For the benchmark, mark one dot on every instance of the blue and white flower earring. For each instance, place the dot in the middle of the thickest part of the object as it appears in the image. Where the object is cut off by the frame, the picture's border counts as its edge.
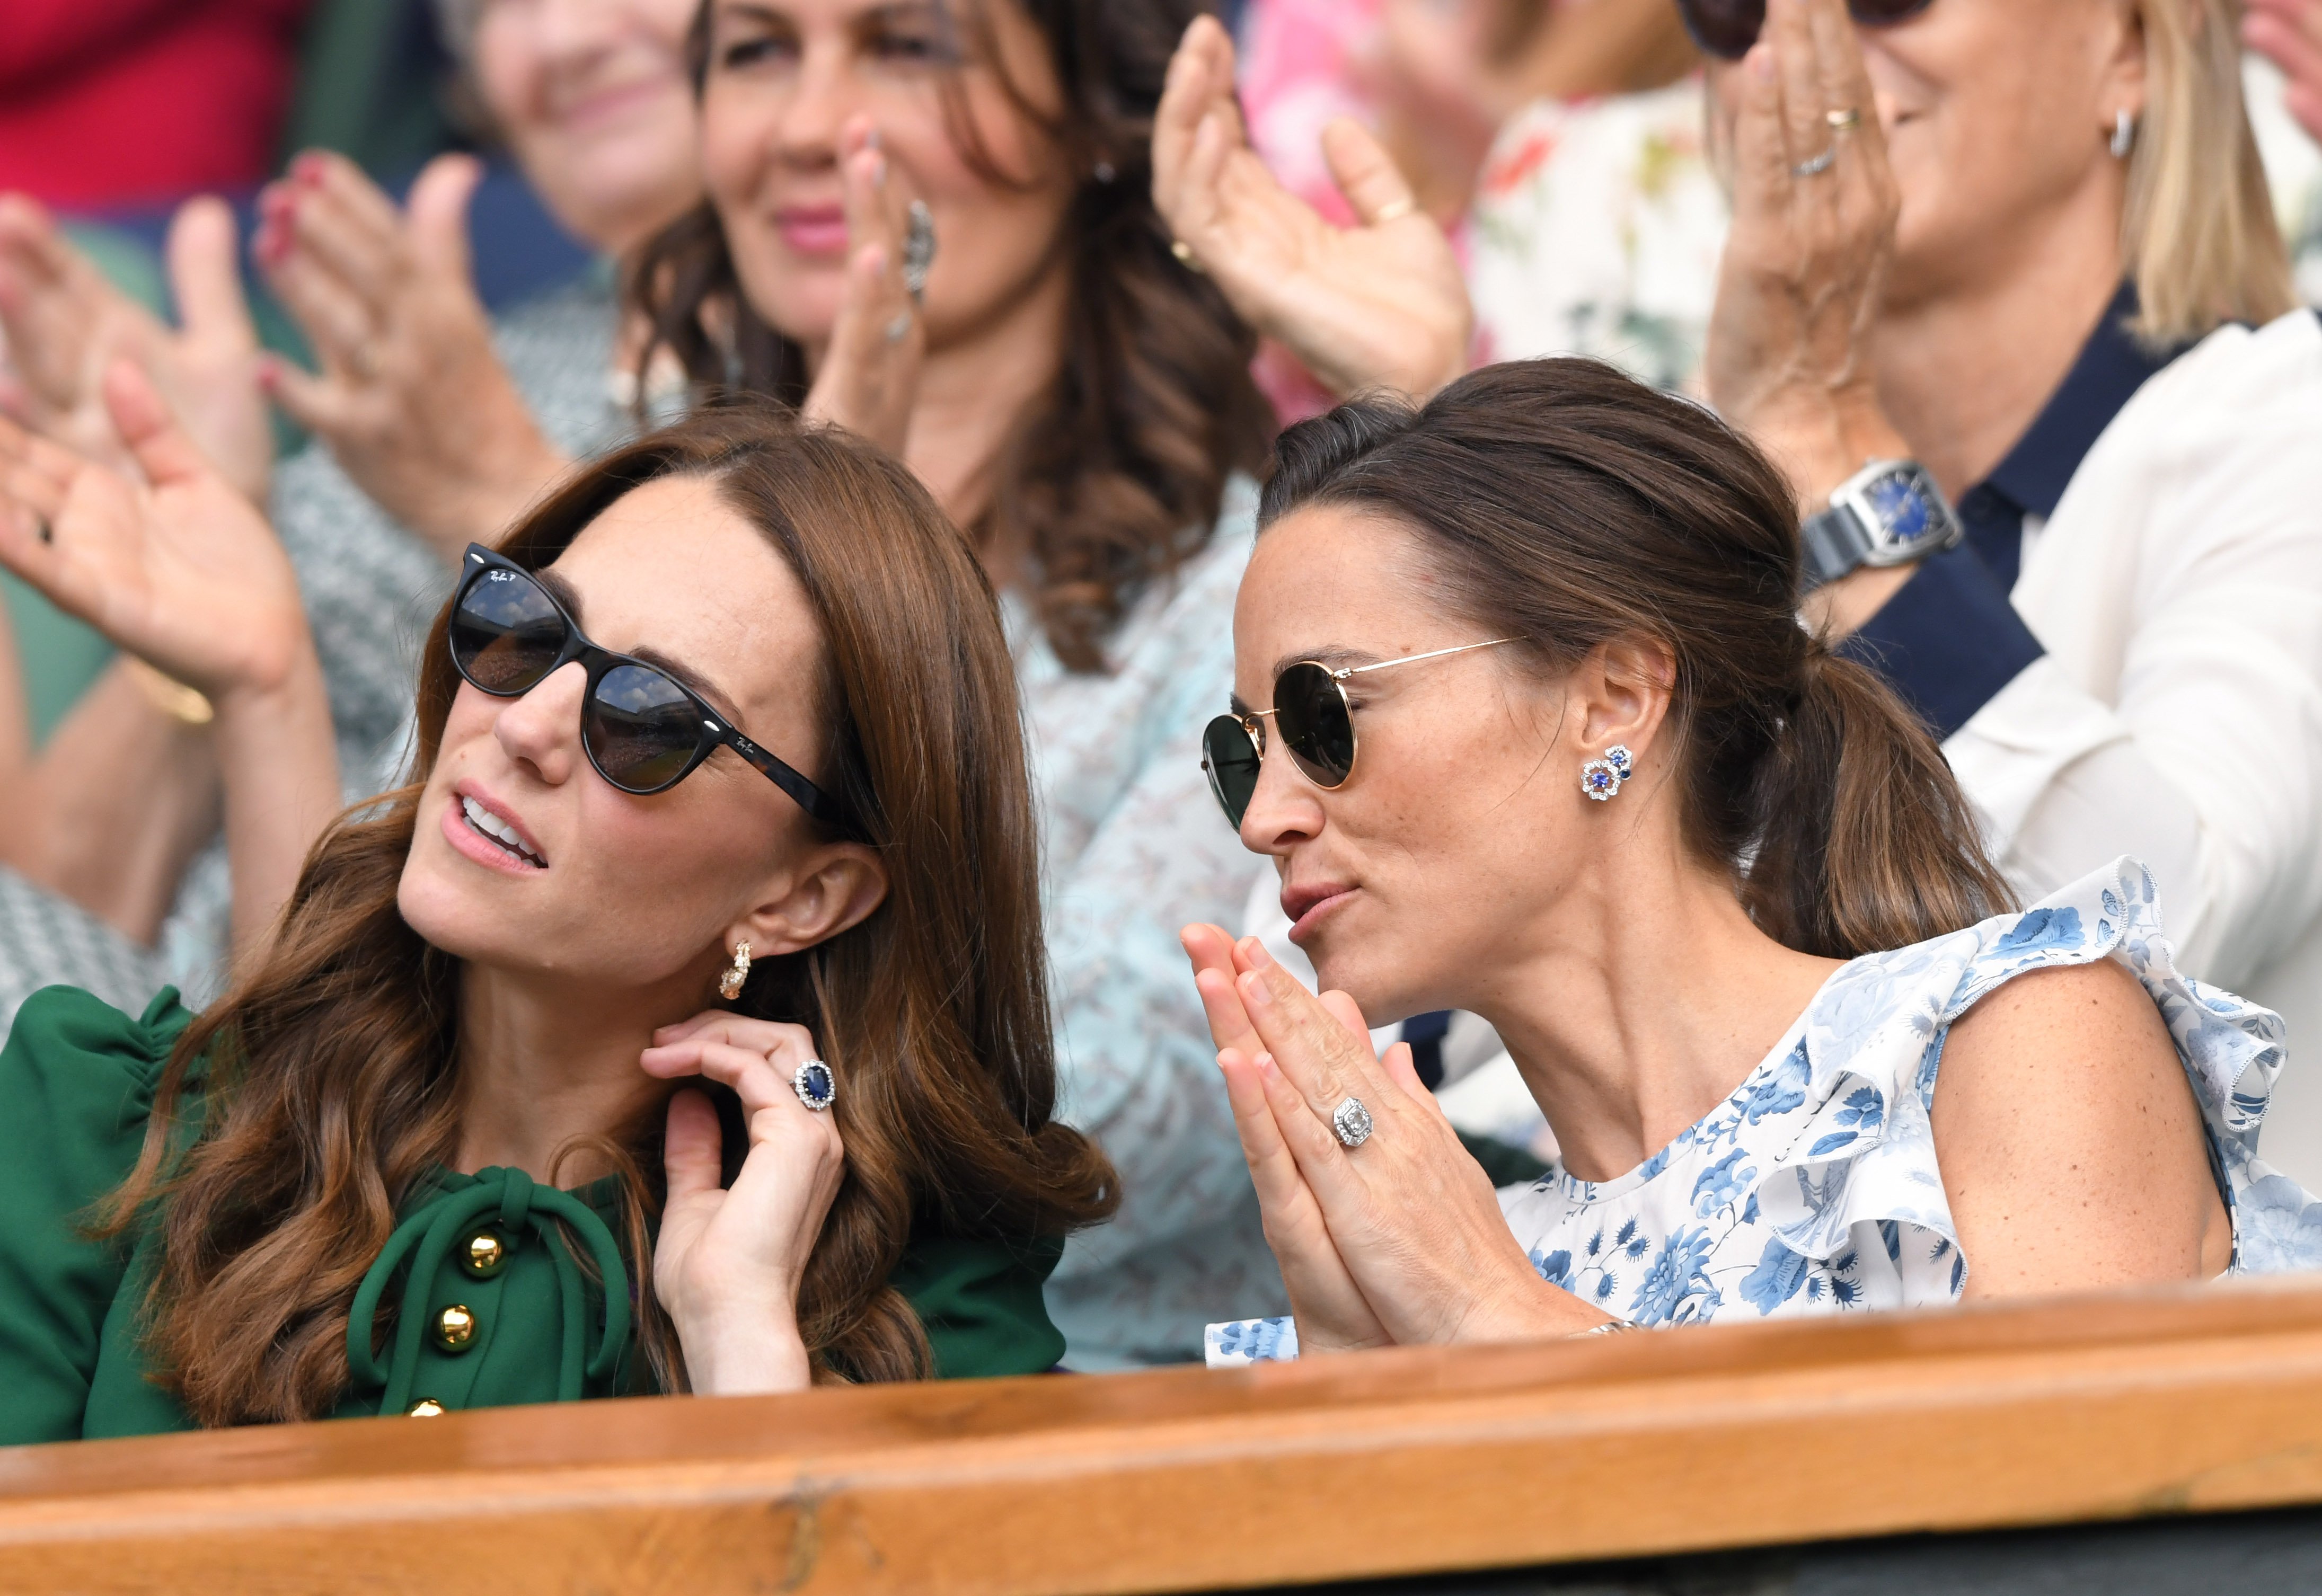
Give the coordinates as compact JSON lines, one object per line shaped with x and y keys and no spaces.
{"x":1601,"y":779}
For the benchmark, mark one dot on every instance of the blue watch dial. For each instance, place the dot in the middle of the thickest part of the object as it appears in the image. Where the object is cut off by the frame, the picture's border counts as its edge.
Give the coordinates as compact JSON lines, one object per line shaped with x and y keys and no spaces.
{"x":1902,"y":509}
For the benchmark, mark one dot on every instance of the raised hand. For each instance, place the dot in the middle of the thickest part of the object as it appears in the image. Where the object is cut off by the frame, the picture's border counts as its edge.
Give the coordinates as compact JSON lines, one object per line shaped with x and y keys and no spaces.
{"x":410,"y":397}
{"x":1379,"y":305}
{"x":1410,"y":1218}
{"x":2288,"y":33}
{"x":66,"y":325}
{"x":870,"y":375}
{"x":173,"y":565}
{"x":1799,"y":285}
{"x":728,"y":1261}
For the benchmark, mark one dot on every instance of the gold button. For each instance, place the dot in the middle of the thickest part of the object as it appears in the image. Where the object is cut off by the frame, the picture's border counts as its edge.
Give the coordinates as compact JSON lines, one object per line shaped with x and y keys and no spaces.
{"x":484,"y":1255}
{"x":426,"y":1407}
{"x":456,"y":1328}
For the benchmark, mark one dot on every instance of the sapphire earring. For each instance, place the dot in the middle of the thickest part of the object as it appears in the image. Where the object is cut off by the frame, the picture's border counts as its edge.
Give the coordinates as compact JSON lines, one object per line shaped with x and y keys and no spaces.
{"x":1601,"y":779}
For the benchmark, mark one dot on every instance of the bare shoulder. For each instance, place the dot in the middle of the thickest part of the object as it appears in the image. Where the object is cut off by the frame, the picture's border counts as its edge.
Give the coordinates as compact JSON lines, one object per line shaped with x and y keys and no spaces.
{"x":2096,"y":1010}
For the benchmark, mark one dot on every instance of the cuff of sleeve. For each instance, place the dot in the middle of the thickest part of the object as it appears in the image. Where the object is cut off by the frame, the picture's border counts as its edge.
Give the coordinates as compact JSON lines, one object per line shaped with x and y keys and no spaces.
{"x":1948,"y":641}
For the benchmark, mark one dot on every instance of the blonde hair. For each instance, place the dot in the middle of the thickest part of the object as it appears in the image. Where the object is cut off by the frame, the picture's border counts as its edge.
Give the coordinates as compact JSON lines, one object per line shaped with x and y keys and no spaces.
{"x":2199,"y":236}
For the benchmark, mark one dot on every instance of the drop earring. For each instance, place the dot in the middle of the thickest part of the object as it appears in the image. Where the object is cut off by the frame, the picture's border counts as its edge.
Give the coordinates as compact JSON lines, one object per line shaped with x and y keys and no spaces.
{"x":729,"y":984}
{"x":1601,"y":779}
{"x":2123,"y":133}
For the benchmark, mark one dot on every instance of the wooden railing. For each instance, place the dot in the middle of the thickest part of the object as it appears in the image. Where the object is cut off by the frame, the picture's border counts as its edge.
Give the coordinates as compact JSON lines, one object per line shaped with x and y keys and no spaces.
{"x":1181,"y":1480}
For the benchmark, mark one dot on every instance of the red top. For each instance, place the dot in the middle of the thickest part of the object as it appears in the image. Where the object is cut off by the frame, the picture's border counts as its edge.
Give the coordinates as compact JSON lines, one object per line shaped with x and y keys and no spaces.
{"x":108,"y":102}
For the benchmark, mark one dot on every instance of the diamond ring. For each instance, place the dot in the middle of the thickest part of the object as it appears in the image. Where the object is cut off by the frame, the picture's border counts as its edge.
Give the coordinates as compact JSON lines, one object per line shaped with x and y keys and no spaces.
{"x":918,"y":249}
{"x":1352,"y":1121}
{"x":814,"y":1085}
{"x":1817,"y":166}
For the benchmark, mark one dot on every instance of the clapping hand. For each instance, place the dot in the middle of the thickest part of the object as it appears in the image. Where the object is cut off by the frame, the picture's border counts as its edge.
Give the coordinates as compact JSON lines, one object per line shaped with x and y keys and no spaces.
{"x":174,"y":565}
{"x":66,"y":325}
{"x":411,"y":399}
{"x":2288,"y":33}
{"x":1399,"y":1240}
{"x":729,"y":1260}
{"x":870,"y":374}
{"x":1379,"y":305}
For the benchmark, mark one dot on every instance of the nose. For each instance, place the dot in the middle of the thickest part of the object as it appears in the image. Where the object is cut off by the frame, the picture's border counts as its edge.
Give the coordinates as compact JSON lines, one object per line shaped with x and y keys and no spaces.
{"x":823,"y":96}
{"x":565,"y":31}
{"x":541,"y":729}
{"x":1285,"y":809}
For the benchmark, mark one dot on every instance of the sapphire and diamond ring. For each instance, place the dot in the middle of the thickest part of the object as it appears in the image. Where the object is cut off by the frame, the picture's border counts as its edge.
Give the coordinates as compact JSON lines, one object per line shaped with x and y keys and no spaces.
{"x":814,"y":1085}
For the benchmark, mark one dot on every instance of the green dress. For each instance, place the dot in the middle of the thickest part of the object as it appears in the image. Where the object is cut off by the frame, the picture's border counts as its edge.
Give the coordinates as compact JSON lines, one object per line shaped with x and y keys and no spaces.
{"x":493,"y":1309}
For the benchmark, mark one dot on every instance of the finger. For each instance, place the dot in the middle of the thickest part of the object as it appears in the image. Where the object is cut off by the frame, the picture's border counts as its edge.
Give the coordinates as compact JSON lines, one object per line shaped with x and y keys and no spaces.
{"x":438,"y":208}
{"x":1221,"y":1006}
{"x":1347,"y":1012}
{"x":337,"y":322}
{"x":320,"y":405}
{"x":351,"y":191}
{"x":1367,"y":174}
{"x":370,"y":267}
{"x":1273,"y":1170}
{"x":205,"y":275}
{"x":759,"y":1036}
{"x":1308,"y":1041}
{"x":1402,"y":1072}
{"x":1184,"y":98}
{"x":693,"y":1147}
{"x":161,"y":447}
{"x":29,"y":239}
{"x":753,"y":1080}
{"x":1789,"y":28}
{"x":1314,"y":1146}
{"x":1761,"y":159}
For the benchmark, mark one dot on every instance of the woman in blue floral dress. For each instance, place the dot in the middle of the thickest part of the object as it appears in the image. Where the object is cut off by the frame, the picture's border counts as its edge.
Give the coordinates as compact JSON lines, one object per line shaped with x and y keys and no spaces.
{"x":1559,"y":753}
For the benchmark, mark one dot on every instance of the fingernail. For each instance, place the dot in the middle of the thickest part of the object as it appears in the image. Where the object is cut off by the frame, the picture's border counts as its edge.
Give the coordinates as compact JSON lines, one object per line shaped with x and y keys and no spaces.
{"x":1254,"y":951}
{"x":871,"y":140}
{"x":878,"y":171}
{"x":307,"y":168}
{"x":1254,"y":992}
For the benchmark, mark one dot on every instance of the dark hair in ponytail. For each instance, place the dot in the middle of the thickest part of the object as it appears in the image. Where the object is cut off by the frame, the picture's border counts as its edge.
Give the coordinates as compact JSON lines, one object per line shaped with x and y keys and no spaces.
{"x":1569,"y":505}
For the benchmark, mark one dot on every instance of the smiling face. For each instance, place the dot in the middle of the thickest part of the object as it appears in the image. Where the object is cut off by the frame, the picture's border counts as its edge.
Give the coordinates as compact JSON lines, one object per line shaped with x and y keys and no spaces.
{"x":1997,"y":114}
{"x":525,"y":859}
{"x":785,"y":77}
{"x":593,"y":96}
{"x":1427,"y":869}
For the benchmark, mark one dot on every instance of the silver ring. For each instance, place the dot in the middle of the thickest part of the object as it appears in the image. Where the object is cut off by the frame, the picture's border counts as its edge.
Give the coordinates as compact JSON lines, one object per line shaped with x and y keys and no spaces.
{"x":1817,"y":166}
{"x":900,"y":328}
{"x":918,"y":249}
{"x":1352,"y":1121}
{"x":815,"y":1085}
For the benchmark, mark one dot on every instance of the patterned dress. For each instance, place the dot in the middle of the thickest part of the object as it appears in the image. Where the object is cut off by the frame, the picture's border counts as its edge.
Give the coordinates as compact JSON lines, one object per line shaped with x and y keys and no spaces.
{"x":1813,"y":1188}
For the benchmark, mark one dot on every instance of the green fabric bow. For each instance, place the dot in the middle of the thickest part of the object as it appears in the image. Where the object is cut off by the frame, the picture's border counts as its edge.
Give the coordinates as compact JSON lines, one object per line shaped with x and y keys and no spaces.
{"x":436,"y":1225}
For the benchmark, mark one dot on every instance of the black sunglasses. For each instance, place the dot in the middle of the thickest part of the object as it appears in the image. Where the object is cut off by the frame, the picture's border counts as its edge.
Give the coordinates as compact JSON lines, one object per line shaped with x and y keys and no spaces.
{"x":1726,"y":28}
{"x":1317,"y":725}
{"x":645,"y":731}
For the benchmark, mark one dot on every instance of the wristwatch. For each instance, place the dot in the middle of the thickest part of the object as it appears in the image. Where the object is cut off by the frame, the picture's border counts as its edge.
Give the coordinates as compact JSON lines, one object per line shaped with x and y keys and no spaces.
{"x":1888,"y":513}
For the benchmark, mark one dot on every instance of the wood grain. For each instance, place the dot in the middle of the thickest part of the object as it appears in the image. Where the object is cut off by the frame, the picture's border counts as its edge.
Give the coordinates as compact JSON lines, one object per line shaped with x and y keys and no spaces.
{"x":1179,"y":1480}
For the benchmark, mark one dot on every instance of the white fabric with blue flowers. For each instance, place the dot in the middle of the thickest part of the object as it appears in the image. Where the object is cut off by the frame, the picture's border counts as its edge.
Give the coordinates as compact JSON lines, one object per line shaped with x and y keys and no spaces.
{"x":1814,"y":1187}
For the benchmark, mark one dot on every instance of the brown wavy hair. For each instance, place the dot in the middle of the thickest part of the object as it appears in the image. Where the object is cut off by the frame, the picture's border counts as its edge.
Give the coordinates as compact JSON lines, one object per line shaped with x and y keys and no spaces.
{"x":1565,"y":504}
{"x":1113,"y":478}
{"x":295,"y":1115}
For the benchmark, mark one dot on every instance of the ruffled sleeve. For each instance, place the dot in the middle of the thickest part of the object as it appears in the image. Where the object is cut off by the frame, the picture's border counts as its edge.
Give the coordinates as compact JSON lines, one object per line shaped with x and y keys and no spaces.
{"x":76,"y":1076}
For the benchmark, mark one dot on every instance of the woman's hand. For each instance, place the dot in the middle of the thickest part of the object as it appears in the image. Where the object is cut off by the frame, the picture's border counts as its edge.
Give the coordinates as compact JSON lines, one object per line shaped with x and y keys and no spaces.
{"x":870,"y":375}
{"x":1789,"y":356}
{"x":178,"y":568}
{"x":1382,"y":305}
{"x":1408,"y":1216}
{"x":411,"y":399}
{"x":2288,"y":33}
{"x":729,"y":1260}
{"x":66,"y":325}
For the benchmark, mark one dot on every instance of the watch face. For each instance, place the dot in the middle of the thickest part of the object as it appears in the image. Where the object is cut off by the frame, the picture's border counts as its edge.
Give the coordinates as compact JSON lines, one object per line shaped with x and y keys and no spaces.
{"x":1900,"y":507}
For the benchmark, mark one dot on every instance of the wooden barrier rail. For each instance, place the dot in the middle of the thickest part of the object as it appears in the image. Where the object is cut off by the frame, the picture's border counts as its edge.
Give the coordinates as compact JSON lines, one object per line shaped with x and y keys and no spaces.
{"x":1181,"y":1480}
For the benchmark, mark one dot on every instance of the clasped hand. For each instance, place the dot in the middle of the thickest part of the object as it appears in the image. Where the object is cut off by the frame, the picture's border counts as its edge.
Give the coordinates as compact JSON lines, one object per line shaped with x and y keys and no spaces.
{"x":1398,"y":1241}
{"x":729,"y":1260}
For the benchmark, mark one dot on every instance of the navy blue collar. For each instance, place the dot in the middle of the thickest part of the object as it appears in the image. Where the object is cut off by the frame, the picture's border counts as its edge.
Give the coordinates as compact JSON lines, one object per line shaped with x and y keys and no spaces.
{"x":2112,"y":366}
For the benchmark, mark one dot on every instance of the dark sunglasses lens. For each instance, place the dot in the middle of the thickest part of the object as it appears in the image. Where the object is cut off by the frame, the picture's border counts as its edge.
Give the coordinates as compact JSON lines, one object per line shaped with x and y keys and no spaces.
{"x":1885,"y":14}
{"x":1231,"y":758}
{"x":506,"y":632}
{"x":641,"y":728}
{"x":1725,"y":28}
{"x":1310,"y":714}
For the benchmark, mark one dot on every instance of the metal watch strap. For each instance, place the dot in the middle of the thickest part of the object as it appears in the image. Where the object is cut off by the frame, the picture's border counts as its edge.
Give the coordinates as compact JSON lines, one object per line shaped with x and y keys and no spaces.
{"x":1833,"y":543}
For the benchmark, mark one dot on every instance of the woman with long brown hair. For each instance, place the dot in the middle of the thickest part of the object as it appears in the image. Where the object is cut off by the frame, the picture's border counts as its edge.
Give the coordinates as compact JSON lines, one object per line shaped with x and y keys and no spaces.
{"x":1528,"y":725}
{"x":1079,"y":400}
{"x":729,"y":715}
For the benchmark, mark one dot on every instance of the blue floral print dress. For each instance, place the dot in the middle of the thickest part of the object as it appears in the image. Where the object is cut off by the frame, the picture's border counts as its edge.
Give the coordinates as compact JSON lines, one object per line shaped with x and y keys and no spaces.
{"x":1814,"y":1187}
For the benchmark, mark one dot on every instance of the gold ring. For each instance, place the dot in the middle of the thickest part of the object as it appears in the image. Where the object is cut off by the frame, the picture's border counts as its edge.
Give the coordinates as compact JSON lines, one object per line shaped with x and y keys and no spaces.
{"x":1184,"y":253}
{"x":1843,"y":122}
{"x":1394,"y":211}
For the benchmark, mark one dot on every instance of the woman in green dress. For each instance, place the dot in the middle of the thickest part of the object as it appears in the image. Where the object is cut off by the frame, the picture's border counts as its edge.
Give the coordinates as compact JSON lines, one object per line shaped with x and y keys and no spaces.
{"x":473,"y":1126}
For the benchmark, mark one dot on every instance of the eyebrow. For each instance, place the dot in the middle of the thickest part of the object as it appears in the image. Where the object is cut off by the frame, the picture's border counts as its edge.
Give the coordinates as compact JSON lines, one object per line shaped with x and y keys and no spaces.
{"x":564,"y":593}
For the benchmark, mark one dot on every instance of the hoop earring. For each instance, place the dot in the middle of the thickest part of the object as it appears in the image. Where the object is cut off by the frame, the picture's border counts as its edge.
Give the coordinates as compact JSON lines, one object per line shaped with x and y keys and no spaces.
{"x":2124,"y":134}
{"x":1602,"y":778}
{"x":729,"y":984}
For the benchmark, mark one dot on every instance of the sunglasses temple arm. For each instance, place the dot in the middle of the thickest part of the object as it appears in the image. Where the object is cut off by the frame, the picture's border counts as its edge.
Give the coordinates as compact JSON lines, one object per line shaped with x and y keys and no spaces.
{"x":1432,"y":654}
{"x":803,"y":792}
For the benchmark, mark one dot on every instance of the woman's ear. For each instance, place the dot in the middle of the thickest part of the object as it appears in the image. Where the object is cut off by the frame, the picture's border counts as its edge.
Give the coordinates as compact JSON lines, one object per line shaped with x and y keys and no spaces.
{"x":1619,"y":694}
{"x":834,"y":891}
